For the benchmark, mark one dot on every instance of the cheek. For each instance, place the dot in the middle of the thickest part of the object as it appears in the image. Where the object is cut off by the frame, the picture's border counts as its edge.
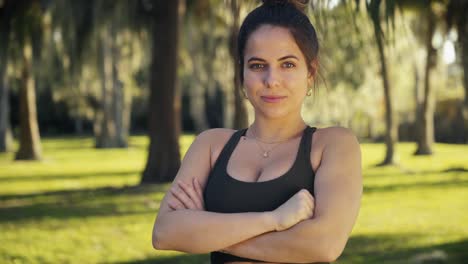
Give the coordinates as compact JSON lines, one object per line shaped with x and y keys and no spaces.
{"x":251,"y":80}
{"x":296,"y":80}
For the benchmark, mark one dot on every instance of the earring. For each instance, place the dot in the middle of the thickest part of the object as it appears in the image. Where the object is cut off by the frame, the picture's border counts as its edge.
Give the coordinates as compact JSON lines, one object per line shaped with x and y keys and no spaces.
{"x":309,"y":92}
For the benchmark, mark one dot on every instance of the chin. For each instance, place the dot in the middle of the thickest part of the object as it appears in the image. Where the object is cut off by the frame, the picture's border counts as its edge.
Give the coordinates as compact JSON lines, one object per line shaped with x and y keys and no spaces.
{"x":274,"y":113}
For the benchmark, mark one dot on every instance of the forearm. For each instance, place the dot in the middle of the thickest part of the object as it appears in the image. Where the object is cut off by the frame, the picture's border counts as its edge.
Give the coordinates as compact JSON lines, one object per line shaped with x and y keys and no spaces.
{"x":194,"y":231}
{"x":306,"y":242}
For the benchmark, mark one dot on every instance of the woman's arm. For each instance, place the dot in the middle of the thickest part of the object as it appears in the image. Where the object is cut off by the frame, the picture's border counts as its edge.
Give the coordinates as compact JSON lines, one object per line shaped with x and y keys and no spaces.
{"x":338,"y":190}
{"x":197,"y":231}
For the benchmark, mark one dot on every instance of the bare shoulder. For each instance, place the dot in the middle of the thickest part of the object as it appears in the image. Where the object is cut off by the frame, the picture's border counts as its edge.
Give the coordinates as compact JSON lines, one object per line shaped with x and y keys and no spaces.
{"x":215,"y":136}
{"x":334,"y":133}
{"x":336,"y":136}
{"x":331,"y":144}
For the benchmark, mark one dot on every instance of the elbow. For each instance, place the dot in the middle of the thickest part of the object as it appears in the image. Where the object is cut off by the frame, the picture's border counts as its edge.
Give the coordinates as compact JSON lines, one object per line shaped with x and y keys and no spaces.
{"x":161,"y":241}
{"x":157,"y":240}
{"x":160,"y":235}
{"x":333,"y":249}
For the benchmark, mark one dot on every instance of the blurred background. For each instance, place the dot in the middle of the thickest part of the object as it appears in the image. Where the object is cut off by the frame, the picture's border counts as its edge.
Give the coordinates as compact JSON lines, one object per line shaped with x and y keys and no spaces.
{"x":99,"y":101}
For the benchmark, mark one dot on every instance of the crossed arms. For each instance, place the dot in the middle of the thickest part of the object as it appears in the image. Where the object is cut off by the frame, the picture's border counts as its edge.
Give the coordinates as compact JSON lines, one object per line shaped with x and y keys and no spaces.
{"x":185,"y":226}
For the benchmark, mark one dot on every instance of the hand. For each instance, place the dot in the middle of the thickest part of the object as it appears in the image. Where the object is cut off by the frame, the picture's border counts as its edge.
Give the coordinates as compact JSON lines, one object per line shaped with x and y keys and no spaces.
{"x":186,"y":196}
{"x":299,"y":207}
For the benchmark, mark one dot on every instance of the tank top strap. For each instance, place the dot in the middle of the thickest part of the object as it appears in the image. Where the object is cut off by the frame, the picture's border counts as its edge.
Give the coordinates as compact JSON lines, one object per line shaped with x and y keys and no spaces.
{"x":308,"y":139}
{"x":229,"y":148}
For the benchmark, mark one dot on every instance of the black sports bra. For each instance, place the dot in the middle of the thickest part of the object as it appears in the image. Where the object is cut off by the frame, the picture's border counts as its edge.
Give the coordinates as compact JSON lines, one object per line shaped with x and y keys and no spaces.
{"x":225,"y":194}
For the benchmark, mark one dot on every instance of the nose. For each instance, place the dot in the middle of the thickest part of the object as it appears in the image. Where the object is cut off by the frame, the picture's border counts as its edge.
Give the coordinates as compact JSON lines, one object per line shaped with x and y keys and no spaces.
{"x":271,"y":78}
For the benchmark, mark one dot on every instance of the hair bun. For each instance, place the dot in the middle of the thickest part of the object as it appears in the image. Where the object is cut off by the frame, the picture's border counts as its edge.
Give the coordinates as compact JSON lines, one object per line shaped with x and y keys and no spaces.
{"x":301,"y":5}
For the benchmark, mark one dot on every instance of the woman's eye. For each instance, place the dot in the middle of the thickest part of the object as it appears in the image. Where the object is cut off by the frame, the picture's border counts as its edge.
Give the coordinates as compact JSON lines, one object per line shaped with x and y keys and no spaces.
{"x":289,"y":65}
{"x":256,"y":66}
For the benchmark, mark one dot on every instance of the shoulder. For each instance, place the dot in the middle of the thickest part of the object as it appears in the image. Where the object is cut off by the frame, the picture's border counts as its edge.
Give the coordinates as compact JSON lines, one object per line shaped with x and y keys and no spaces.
{"x":214,"y":139}
{"x":332,"y":134}
{"x":215,"y":136}
{"x":335,"y":143}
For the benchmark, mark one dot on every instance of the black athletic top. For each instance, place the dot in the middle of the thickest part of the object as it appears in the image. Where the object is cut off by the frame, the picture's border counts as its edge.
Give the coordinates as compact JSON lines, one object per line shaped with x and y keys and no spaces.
{"x":224,"y":194}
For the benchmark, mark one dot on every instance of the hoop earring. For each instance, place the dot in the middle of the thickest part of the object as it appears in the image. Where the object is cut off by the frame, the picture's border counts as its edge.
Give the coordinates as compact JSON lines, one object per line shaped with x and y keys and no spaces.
{"x":309,"y":92}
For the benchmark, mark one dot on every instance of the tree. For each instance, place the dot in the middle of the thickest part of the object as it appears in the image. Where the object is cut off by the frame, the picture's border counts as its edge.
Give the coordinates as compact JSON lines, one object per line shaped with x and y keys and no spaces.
{"x":391,"y":135}
{"x":26,"y":27}
{"x":456,"y":17}
{"x":6,"y":11}
{"x":164,"y":103}
{"x":100,"y":28}
{"x":240,"y":112}
{"x":425,"y":108}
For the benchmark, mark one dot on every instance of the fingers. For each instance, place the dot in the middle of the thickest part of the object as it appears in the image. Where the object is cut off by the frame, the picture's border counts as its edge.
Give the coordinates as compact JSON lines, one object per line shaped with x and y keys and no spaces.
{"x":174,"y":204}
{"x":308,"y":199}
{"x":187,"y":196}
{"x":192,"y":194}
{"x":183,"y":197}
{"x":198,"y":190}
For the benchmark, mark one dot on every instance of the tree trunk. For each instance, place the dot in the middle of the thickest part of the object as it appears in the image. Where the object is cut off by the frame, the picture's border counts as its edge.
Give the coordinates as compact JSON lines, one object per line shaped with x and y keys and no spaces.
{"x":105,"y":134}
{"x":418,"y":97}
{"x":6,"y":143}
{"x":111,"y":130}
{"x":463,"y":40}
{"x":29,"y":139}
{"x":6,"y":138}
{"x":119,"y":103}
{"x":164,"y":103}
{"x":197,"y":89}
{"x":240,"y":111}
{"x":391,"y":134}
{"x":425,"y":115}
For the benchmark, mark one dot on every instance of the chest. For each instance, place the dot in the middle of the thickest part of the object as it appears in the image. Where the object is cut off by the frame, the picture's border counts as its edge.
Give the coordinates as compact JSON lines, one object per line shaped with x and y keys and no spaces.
{"x":249,"y":163}
{"x":239,"y":184}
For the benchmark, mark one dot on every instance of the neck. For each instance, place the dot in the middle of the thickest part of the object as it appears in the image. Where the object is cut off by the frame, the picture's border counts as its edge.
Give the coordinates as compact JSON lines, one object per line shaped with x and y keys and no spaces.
{"x":274,"y":130}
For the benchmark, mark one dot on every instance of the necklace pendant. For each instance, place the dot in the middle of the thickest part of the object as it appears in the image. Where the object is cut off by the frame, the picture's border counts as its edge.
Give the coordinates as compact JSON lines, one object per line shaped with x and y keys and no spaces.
{"x":265,"y":154}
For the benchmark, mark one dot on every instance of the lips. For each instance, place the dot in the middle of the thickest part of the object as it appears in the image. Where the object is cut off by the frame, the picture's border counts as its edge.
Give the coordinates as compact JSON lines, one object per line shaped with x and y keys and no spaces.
{"x":272,"y":98}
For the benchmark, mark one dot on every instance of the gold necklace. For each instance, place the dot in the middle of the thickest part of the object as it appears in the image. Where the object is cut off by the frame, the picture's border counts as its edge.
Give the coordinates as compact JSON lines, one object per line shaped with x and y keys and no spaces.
{"x":266,"y":152}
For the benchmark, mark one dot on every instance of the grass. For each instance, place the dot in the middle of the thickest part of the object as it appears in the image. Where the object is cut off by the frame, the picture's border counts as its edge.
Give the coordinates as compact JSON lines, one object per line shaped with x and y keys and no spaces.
{"x":83,"y":205}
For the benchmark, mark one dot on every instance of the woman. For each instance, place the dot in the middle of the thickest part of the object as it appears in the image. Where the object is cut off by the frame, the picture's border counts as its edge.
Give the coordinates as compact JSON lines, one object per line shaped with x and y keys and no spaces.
{"x":279,"y":191}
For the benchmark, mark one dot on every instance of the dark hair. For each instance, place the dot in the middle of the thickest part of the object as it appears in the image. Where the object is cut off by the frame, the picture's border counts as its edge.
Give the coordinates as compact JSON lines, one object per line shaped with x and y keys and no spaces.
{"x":289,"y":14}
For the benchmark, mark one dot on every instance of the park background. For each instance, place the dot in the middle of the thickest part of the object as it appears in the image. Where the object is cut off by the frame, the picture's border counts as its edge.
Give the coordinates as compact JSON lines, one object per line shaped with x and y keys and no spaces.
{"x":99,"y":101}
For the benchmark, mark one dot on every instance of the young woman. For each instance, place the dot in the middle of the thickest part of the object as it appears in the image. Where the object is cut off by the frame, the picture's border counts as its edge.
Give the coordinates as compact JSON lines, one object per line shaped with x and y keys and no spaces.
{"x":278,"y":191}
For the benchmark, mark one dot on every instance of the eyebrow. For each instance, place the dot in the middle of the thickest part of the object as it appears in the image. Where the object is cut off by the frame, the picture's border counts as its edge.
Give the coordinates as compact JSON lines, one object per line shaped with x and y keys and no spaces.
{"x":280,"y":59}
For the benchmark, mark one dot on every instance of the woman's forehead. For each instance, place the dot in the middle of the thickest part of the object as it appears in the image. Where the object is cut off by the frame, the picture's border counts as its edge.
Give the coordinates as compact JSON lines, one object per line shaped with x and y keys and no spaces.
{"x":271,"y":41}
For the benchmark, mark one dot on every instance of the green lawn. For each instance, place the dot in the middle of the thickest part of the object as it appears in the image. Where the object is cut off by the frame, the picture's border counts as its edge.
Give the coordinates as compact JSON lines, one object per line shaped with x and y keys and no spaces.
{"x":80,"y":205}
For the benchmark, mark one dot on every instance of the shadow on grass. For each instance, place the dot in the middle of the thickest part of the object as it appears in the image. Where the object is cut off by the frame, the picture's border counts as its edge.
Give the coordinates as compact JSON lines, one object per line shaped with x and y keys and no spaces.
{"x":410,"y":172}
{"x":67,"y":176}
{"x":362,"y":249}
{"x":94,"y":193}
{"x":80,"y":203}
{"x":399,"y":249}
{"x":180,"y":259}
{"x":455,"y":182}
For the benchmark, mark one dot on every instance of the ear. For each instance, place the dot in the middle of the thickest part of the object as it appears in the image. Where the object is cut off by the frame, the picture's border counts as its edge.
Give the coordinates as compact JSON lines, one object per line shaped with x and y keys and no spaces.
{"x":312,"y":71}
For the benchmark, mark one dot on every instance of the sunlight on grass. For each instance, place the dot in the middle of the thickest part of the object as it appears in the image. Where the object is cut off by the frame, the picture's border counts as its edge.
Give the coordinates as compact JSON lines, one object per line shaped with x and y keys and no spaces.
{"x":84,"y":205}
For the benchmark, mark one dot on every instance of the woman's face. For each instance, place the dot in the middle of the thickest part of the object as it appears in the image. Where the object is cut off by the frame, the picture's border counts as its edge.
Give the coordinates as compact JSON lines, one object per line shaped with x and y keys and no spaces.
{"x":276,"y":76}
